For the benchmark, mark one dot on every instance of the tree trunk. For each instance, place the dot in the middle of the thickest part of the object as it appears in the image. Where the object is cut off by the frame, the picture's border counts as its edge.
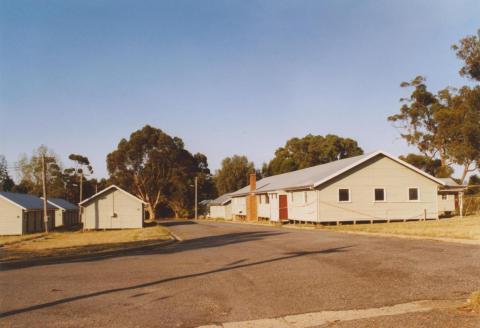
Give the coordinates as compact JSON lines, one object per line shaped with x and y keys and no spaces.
{"x":151,"y":211}
{"x":464,"y":173}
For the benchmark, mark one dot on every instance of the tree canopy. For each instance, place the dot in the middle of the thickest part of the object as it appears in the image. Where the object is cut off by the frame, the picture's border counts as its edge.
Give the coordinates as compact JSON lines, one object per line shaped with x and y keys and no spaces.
{"x":159,"y":170}
{"x":30,"y":173}
{"x":468,"y":50}
{"x":233,"y":174}
{"x":6,"y":182}
{"x":311,"y":150}
{"x":427,"y":164}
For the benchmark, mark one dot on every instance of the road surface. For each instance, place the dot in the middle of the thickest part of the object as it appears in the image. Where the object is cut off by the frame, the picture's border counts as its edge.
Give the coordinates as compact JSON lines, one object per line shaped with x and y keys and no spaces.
{"x":223,"y":272}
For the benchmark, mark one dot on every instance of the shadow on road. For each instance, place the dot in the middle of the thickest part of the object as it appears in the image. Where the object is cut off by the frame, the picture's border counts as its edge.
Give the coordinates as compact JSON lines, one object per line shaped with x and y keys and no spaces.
{"x":229,"y":267}
{"x":185,"y":245}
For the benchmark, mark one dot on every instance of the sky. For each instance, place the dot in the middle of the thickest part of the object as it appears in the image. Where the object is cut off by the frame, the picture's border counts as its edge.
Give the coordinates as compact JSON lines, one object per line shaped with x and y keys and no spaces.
{"x":228,"y":77}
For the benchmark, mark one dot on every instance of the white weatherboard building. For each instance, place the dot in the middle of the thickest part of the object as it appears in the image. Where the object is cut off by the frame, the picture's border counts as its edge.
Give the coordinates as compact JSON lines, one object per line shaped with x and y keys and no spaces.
{"x":66,"y":213}
{"x":372,"y":187}
{"x":112,"y":208}
{"x":450,"y":196}
{"x":221,"y":207}
{"x":22,"y":213}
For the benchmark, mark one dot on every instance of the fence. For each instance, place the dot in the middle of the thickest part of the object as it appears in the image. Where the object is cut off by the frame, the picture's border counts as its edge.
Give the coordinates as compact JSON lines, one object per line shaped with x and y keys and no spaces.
{"x":471,"y":204}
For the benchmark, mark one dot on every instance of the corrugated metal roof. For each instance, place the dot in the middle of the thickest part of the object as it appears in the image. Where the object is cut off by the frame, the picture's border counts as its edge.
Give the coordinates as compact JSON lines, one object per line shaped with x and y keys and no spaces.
{"x":225,"y":198}
{"x":301,"y":178}
{"x":317,"y":175}
{"x":450,"y":182}
{"x":62,"y":204}
{"x":28,"y":202}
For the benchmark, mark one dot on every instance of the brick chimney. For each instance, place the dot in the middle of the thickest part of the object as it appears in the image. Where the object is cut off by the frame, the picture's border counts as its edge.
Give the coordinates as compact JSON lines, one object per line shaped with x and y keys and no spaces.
{"x":253,"y":181}
{"x":252,"y":199}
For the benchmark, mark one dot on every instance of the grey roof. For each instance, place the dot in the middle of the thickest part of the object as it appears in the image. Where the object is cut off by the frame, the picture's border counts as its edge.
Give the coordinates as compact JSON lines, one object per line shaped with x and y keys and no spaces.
{"x":222,"y":200}
{"x":451,"y":184}
{"x":28,"y":202}
{"x":316,"y":175}
{"x":62,"y":204}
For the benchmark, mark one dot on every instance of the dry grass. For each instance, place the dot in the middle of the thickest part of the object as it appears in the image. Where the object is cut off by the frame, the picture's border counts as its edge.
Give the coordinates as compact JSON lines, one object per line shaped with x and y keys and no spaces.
{"x":77,"y":242}
{"x":6,"y":240}
{"x":474,"y":302}
{"x":466,"y":228}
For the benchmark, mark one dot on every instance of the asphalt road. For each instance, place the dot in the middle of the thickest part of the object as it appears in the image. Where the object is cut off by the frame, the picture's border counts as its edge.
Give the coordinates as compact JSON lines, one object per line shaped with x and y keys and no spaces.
{"x":224,"y":272}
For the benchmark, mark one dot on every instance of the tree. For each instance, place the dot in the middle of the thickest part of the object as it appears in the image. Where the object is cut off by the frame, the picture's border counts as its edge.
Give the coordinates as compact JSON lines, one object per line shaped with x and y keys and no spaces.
{"x":460,"y":126}
{"x":30,"y":172}
{"x":233,"y":174}
{"x":445,"y":125}
{"x":6,"y":183}
{"x":417,"y":120}
{"x":81,"y":164}
{"x":158,"y":169}
{"x":469,"y":51}
{"x":311,"y":150}
{"x":473,"y":185}
{"x":427,"y":164}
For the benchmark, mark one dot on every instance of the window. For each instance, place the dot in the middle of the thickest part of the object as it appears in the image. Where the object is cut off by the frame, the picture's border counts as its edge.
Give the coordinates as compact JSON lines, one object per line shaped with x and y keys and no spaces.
{"x":259,"y":199}
{"x":379,"y":194}
{"x":444,"y":197}
{"x":267,"y":199}
{"x":412,"y":193}
{"x":305,"y":197}
{"x":291,"y":197}
{"x":343,"y":195}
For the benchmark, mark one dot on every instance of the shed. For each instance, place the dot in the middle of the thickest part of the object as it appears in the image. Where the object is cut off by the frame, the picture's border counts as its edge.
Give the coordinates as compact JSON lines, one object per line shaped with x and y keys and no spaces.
{"x":112,"y":208}
{"x":450,"y":197}
{"x":66,"y":213}
{"x":23,"y":213}
{"x":221,"y":207}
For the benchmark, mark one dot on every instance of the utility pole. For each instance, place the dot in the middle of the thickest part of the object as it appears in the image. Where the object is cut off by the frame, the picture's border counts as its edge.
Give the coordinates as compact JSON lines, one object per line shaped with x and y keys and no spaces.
{"x":81,"y":194}
{"x":44,"y":187}
{"x":196,"y":198}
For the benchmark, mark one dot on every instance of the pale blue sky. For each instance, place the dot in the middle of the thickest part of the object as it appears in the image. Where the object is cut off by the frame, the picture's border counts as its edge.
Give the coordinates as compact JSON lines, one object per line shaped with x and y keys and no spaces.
{"x":228,"y":77}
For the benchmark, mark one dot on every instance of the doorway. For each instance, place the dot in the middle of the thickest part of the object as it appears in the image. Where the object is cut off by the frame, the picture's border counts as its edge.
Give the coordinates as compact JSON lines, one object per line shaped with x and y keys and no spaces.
{"x":283,"y":207}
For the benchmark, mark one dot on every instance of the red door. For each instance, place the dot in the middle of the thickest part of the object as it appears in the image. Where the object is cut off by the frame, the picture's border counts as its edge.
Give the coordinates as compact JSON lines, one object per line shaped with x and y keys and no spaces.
{"x":283,"y":207}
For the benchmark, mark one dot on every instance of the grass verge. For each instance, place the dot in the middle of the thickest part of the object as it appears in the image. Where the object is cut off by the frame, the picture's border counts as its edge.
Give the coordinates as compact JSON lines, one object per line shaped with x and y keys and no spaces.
{"x":73,"y":243}
{"x":465,"y":228}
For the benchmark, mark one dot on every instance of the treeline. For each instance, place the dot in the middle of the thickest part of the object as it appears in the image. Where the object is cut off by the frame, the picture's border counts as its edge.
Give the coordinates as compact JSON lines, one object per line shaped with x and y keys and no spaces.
{"x":158,"y":169}
{"x":61,"y":181}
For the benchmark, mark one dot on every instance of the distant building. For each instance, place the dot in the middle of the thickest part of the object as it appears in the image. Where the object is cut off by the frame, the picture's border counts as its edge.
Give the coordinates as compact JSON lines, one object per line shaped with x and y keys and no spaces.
{"x":450,"y":197}
{"x":112,"y":208}
{"x":221,"y":207}
{"x":369,"y":187}
{"x":22,"y":213}
{"x":66,"y":213}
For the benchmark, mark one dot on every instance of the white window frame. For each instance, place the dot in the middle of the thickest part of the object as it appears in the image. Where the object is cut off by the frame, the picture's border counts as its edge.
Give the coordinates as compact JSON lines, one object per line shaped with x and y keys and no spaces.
{"x":418,"y":194}
{"x":384,"y":195}
{"x":349,"y":196}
